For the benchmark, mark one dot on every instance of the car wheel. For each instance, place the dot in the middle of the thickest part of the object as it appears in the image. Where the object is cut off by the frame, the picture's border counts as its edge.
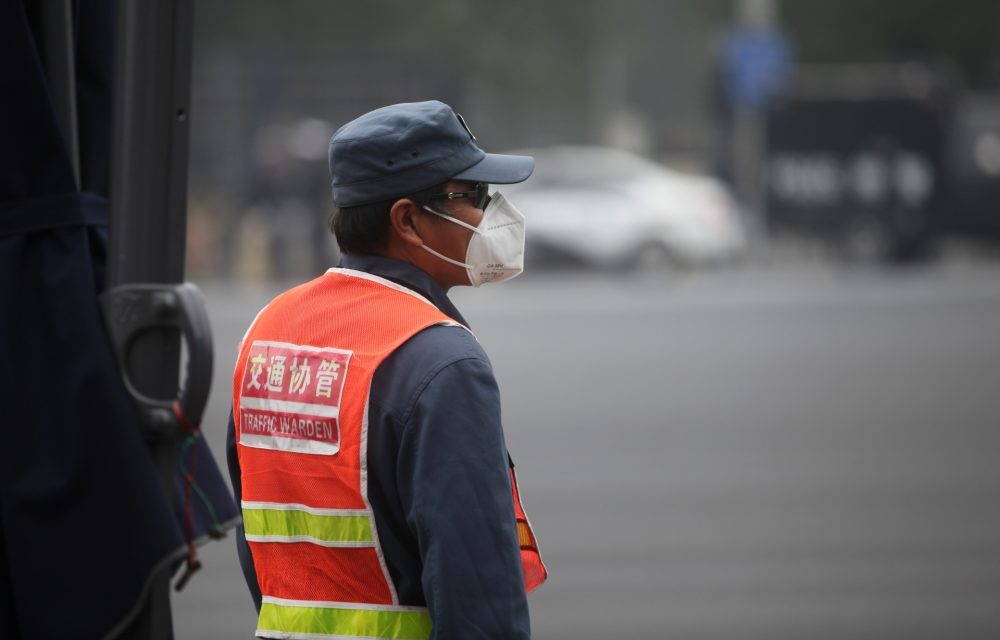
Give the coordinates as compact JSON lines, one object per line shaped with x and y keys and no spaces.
{"x":651,"y":256}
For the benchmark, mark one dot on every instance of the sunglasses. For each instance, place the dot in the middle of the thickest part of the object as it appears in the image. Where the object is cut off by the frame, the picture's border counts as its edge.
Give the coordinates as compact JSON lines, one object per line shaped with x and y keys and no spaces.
{"x":480,"y":195}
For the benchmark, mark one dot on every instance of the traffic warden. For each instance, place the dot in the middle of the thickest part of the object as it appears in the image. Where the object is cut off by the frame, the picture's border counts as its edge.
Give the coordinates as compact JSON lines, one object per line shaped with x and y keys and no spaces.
{"x":365,"y":446}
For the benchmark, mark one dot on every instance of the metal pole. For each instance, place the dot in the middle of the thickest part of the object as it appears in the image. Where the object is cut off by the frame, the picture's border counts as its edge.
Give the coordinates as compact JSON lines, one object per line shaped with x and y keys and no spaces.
{"x":148,"y":215}
{"x":149,"y":189}
{"x":749,"y":131}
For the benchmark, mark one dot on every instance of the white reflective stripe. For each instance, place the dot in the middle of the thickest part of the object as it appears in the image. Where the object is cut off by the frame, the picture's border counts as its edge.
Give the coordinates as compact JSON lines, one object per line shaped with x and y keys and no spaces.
{"x":295,"y":506}
{"x":251,"y":537}
{"x":398,"y":287}
{"x":331,"y":604}
{"x":368,"y":505}
{"x":287,"y":406}
{"x":382,"y":281}
{"x":298,"y":445}
{"x":301,"y":347}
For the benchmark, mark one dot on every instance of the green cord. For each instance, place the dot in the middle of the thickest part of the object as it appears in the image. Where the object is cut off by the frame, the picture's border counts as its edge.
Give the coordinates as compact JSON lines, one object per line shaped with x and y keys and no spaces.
{"x":216,"y":525}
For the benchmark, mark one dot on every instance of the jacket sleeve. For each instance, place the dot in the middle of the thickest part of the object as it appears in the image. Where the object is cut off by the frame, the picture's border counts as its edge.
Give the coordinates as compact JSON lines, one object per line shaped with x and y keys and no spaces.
{"x":242,"y":548}
{"x":455,"y":489}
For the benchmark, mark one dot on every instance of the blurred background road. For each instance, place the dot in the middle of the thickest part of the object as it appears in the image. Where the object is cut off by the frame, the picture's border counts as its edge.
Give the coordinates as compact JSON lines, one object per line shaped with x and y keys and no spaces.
{"x":777,"y":451}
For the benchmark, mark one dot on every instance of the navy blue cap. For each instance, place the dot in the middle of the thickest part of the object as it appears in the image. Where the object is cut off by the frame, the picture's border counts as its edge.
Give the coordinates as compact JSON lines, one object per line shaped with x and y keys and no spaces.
{"x":398,"y":150}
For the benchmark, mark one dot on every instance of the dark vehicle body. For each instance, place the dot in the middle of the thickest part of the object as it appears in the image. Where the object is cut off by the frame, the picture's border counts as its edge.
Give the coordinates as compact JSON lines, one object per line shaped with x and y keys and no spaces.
{"x":883,"y":164}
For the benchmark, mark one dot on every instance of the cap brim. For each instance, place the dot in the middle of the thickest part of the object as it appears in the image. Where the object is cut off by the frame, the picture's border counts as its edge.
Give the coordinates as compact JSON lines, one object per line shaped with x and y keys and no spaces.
{"x":499,"y":169}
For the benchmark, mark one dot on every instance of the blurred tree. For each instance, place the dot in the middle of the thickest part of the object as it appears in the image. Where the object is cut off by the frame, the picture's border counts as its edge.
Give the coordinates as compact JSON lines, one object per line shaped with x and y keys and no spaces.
{"x":966,"y":32}
{"x":560,"y":68}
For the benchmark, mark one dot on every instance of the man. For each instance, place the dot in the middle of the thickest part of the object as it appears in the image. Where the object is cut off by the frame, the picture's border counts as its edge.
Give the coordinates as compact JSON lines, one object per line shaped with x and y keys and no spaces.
{"x":366,"y":447}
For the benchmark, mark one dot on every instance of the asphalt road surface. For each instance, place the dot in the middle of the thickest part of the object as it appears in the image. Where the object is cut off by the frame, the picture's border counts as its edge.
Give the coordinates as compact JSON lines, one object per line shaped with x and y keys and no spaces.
{"x":773,"y":453}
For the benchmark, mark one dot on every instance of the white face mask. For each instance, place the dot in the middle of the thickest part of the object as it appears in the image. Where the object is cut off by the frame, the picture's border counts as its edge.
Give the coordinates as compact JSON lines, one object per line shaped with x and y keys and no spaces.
{"x":496,"y":249}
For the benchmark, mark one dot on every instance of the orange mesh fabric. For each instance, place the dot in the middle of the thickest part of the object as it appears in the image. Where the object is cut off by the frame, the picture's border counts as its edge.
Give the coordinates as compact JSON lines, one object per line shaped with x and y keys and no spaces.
{"x":370,"y":319}
{"x":535,"y":572}
{"x":303,"y":571}
{"x":337,"y":311}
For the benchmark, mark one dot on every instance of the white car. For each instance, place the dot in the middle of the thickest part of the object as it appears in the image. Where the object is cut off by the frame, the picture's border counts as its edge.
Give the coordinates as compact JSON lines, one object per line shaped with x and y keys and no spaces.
{"x":610,"y":208}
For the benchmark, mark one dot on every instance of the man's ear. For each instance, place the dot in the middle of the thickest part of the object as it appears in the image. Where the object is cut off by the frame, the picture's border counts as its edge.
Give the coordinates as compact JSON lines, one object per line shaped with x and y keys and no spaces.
{"x":404,"y":219}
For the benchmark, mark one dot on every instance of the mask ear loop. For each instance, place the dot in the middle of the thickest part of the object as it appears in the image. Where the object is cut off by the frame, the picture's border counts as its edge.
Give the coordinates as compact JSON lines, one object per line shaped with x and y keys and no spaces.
{"x":444,"y":257}
{"x":453,"y":219}
{"x":458,"y":222}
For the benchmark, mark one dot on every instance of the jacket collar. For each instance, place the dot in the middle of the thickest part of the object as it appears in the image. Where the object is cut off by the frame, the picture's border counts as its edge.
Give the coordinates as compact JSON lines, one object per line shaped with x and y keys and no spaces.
{"x":407,"y":275}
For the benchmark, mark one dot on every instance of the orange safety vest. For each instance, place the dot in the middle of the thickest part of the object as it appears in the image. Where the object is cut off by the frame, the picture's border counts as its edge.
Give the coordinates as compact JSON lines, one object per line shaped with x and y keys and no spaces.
{"x":300,"y":407}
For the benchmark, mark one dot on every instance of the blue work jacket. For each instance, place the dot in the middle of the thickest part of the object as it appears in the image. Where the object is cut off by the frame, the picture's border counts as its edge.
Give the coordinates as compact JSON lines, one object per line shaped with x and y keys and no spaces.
{"x":438,"y":479}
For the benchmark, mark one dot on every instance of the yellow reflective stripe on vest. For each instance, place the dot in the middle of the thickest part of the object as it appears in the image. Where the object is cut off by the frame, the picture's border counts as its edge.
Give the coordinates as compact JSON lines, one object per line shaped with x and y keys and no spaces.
{"x":279,"y":619}
{"x":524,"y":537}
{"x":296,"y":524}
